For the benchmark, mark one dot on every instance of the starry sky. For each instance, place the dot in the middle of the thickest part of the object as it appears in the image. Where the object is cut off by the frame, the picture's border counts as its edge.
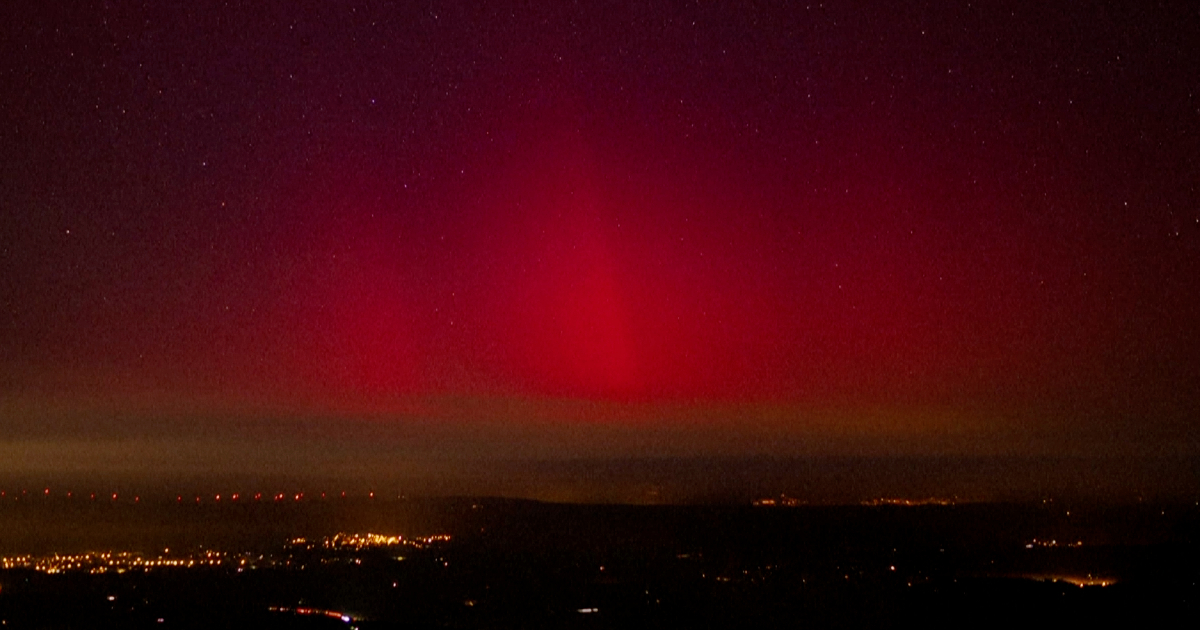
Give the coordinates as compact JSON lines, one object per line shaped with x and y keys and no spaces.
{"x":367,"y":239}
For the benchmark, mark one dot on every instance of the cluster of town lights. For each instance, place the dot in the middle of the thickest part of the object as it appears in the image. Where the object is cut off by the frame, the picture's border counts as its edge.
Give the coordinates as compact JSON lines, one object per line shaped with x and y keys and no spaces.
{"x":123,"y":561}
{"x":112,"y":562}
{"x":116,"y":497}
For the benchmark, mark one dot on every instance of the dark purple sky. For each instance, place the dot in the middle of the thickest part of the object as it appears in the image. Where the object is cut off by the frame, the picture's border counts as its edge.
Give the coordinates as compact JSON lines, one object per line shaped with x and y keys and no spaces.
{"x":258,"y":237}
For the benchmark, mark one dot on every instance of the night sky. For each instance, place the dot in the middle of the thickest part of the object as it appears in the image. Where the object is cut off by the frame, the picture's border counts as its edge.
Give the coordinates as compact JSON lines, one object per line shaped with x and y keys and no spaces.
{"x":372,"y":241}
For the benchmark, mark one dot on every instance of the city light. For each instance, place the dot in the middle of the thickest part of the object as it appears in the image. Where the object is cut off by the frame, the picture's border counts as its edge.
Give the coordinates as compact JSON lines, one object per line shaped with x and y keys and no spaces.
{"x":123,"y":561}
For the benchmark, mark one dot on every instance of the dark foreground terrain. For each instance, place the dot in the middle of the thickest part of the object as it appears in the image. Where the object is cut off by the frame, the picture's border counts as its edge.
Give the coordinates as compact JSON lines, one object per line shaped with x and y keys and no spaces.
{"x":514,"y":564}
